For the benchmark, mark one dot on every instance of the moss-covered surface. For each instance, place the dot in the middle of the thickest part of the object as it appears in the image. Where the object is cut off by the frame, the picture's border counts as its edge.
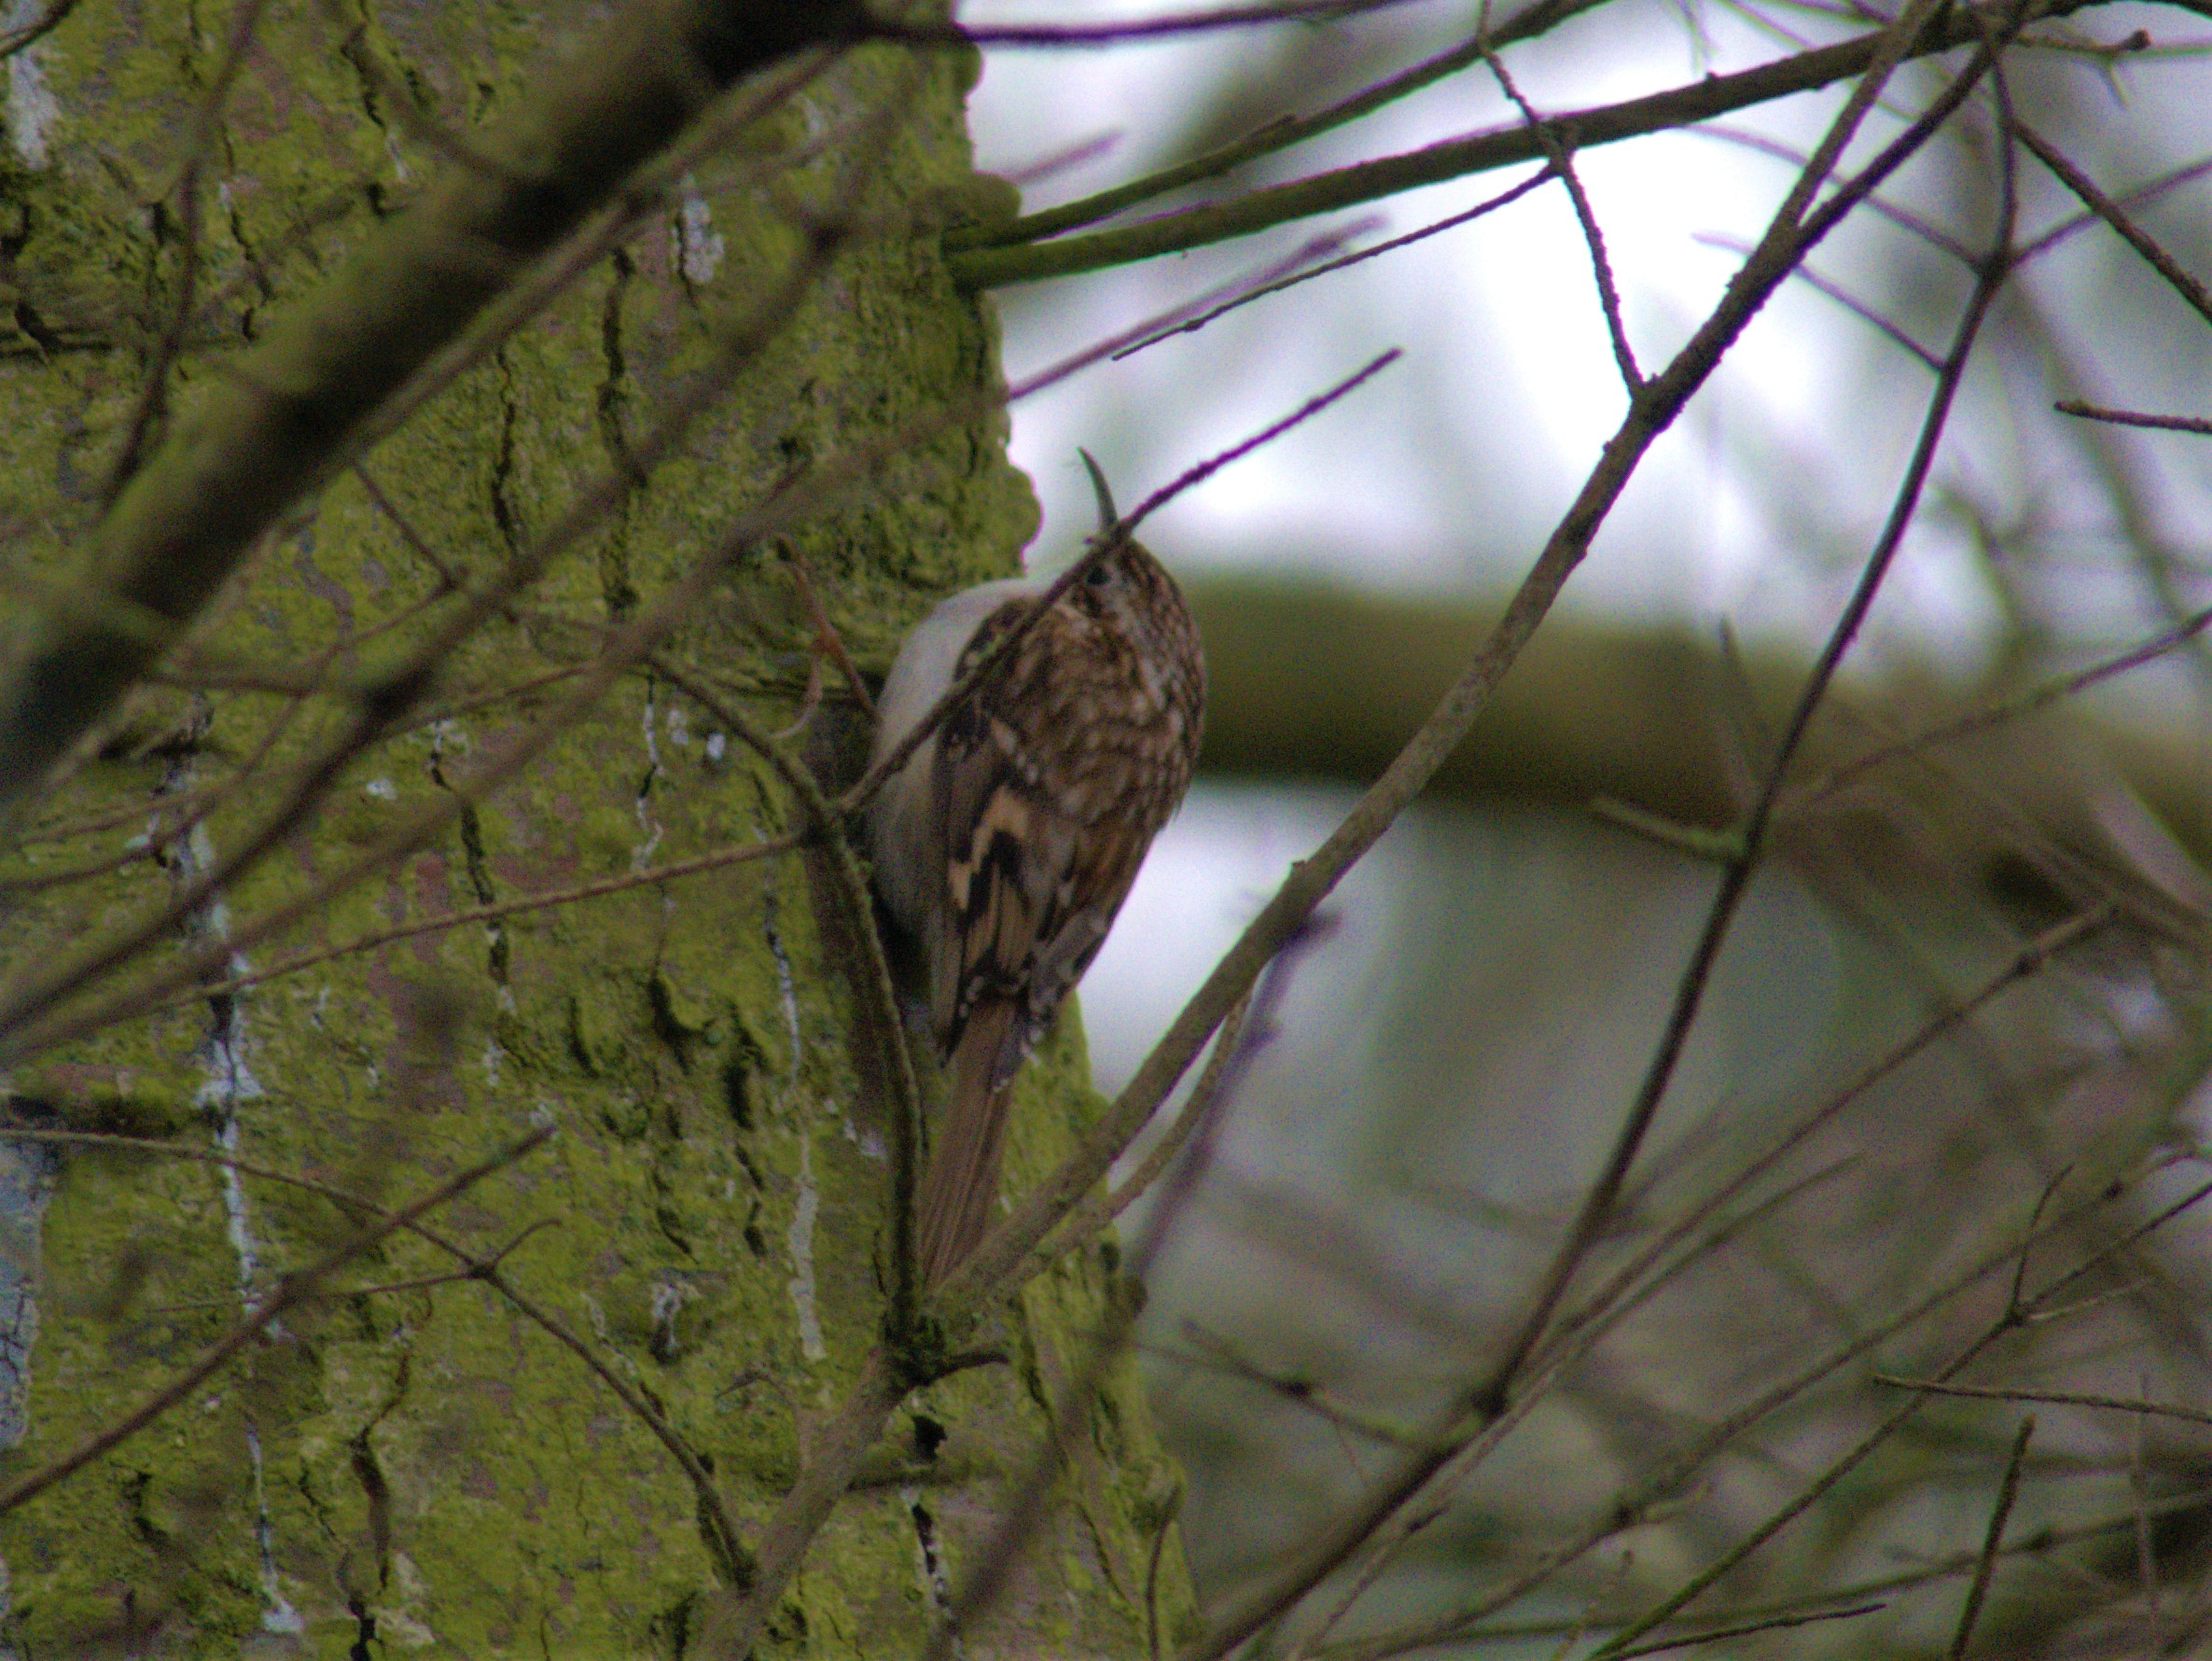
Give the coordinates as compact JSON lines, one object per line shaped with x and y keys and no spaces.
{"x":414,"y":1468}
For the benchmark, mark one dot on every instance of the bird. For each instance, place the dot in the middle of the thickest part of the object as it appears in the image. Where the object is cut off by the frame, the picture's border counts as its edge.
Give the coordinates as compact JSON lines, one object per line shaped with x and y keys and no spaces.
{"x":1007,"y":842}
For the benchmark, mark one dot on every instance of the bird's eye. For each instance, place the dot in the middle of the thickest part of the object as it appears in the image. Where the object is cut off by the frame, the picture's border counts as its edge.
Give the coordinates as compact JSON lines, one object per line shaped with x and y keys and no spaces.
{"x":1098,"y":575}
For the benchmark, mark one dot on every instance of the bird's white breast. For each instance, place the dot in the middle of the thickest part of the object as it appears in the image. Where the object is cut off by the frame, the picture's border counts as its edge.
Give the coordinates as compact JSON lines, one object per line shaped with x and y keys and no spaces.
{"x":902,"y":820}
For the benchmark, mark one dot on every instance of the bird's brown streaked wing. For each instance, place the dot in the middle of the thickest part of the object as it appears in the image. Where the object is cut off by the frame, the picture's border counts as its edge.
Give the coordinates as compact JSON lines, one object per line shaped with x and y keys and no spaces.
{"x":1109,"y":854}
{"x":991,"y":820}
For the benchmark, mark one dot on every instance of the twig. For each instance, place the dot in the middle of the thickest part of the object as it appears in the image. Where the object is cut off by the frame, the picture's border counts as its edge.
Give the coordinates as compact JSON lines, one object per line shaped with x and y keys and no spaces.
{"x":1736,"y":875}
{"x":2151,"y":191}
{"x":189,"y":807}
{"x":2015,"y":1300}
{"x":147,"y":408}
{"x":1286,"y":272}
{"x":1794,"y":1508}
{"x":1643,"y":1275}
{"x":1020,"y":1516}
{"x":994,"y":264}
{"x":1728,"y":1430}
{"x":1744,"y":1629}
{"x":1859,"y":308}
{"x":1694,"y":841}
{"x":730,"y":1547}
{"x":1069,"y":157}
{"x":474,"y":1268}
{"x":450,"y":581}
{"x":1998,"y":715}
{"x":1164,"y":26}
{"x":1559,"y":159}
{"x":289,"y":1290}
{"x":272,"y":432}
{"x":2145,"y":1551}
{"x":1217,"y":1353}
{"x":1104,"y":543}
{"x":827,"y":639}
{"x":1788,"y":241}
{"x":1903,"y":218}
{"x":2007,"y":1490}
{"x":2073,"y":179}
{"x":738,"y":854}
{"x":2113,"y":1249}
{"x":2172,"y":424}
{"x":1572,"y":1345}
{"x":2195,"y":1416}
{"x":1273,"y":136}
{"x":872,"y":987}
{"x":834,"y":1455}
{"x":14,"y":40}
{"x":2042,"y":1541}
{"x":724,"y":1545}
{"x":1095,"y":1215}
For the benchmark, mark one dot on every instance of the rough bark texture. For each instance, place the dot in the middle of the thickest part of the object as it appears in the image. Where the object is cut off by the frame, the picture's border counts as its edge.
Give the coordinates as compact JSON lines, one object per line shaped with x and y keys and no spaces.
{"x":422,"y":1470}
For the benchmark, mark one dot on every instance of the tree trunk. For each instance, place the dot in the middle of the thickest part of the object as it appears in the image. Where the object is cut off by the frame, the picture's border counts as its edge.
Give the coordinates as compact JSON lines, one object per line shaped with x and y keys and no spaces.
{"x":418,"y":1465}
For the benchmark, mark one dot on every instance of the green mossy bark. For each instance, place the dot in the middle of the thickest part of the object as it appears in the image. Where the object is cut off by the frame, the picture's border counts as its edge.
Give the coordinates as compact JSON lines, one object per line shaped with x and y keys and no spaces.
{"x":434,"y":1474}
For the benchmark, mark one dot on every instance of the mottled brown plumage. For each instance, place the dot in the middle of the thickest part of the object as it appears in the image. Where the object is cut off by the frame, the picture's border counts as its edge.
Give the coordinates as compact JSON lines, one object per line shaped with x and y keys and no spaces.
{"x":1009,"y":840}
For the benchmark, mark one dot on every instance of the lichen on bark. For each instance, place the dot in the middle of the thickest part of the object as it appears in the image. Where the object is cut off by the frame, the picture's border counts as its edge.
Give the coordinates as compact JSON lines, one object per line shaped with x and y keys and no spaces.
{"x":414,"y":1466}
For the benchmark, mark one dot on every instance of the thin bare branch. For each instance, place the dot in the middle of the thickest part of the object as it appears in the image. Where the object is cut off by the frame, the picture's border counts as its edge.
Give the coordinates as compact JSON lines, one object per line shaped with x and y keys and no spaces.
{"x":289,"y":1290}
{"x":1166,"y":25}
{"x":2172,"y":424}
{"x":1746,"y":1628}
{"x":56,"y":13}
{"x":1736,"y":875}
{"x":1998,"y":715}
{"x":720,"y":859}
{"x":152,"y":400}
{"x":1019,"y":1516}
{"x":2192,"y":291}
{"x":1786,"y":243}
{"x":1979,"y":1393}
{"x":1729,"y":1428}
{"x":828,"y":642}
{"x":1559,"y":159}
{"x":1095,"y":1215}
{"x":272,"y":432}
{"x":1864,"y":311}
{"x":872,"y":988}
{"x":2007,"y":1490}
{"x":1286,"y":272}
{"x":2149,"y":192}
{"x":1010,"y":253}
{"x":724,"y":1543}
{"x":1273,"y":137}
{"x":1104,"y":543}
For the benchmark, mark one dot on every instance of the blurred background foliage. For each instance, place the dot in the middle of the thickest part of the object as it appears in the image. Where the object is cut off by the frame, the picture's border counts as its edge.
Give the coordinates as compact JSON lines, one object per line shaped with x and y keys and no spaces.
{"x":1453,"y":1057}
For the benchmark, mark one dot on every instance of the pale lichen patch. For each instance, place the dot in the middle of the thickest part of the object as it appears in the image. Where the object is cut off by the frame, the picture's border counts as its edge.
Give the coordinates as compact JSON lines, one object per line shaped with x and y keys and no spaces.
{"x":32,"y":107}
{"x":699,"y":248}
{"x":802,"y":1255}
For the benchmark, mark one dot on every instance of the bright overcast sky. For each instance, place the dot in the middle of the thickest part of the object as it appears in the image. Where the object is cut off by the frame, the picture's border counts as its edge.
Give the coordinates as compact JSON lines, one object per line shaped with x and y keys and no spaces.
{"x":1448,"y":471}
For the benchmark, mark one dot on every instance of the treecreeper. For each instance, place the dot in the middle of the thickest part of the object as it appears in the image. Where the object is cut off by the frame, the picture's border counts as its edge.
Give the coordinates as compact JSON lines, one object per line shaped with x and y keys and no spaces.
{"x":1008,"y":840}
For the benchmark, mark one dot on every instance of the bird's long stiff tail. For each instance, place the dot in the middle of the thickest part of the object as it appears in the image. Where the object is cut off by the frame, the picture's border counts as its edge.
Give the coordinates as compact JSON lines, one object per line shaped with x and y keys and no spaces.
{"x":961,"y":1182}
